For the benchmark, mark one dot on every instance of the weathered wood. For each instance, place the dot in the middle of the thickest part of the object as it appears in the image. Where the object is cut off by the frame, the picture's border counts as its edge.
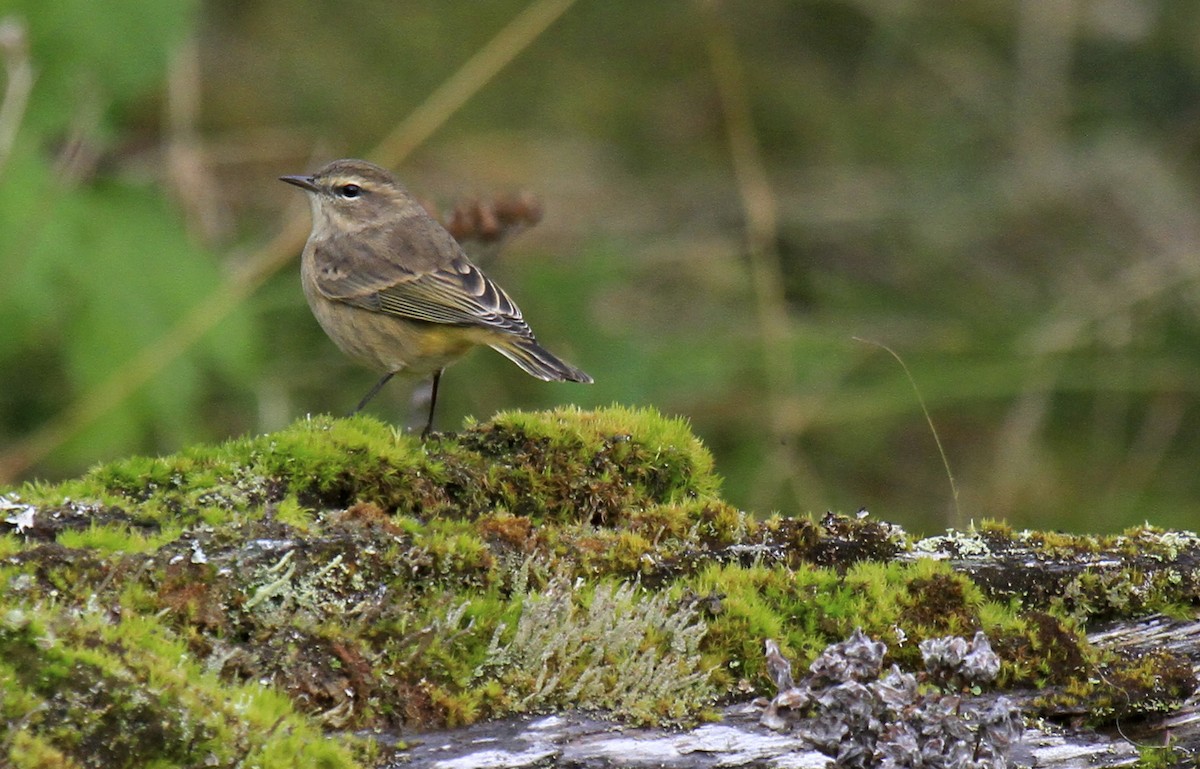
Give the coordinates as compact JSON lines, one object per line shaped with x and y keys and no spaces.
{"x":577,"y":741}
{"x":149,"y":602}
{"x":581,"y":741}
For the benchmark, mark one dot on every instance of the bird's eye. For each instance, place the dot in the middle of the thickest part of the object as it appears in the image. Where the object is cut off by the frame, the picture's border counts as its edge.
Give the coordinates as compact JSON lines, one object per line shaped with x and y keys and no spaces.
{"x":350,"y":190}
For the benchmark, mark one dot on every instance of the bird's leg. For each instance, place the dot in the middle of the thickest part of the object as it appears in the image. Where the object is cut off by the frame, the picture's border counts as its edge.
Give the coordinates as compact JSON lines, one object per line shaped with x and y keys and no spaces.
{"x":437,"y":377}
{"x":373,"y":392}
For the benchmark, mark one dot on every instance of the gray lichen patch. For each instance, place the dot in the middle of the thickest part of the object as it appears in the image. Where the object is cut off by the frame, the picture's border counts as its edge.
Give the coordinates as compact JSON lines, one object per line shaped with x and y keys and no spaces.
{"x":1091,"y":578}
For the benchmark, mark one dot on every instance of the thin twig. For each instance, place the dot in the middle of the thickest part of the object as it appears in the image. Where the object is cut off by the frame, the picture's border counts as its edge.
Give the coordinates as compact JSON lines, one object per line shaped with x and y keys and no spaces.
{"x":484,"y":65}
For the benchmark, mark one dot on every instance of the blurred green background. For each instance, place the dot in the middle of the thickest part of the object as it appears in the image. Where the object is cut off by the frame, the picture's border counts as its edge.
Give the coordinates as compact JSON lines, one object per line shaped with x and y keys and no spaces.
{"x":1005,"y":194}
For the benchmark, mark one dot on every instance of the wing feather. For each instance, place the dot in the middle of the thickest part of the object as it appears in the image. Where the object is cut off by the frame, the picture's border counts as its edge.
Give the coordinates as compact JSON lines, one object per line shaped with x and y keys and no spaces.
{"x":452,"y":291}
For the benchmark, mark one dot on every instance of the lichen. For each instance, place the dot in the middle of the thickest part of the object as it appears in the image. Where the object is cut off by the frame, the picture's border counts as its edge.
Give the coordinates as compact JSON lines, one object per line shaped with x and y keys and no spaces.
{"x":340,"y":575}
{"x":1143,"y":570}
{"x":850,"y":710}
{"x":617,"y":649}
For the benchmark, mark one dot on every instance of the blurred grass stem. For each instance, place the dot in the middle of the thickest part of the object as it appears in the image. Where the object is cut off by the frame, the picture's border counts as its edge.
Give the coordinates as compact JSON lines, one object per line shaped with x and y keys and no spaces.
{"x":456,"y":90}
{"x":18,"y":71}
{"x":760,"y":208}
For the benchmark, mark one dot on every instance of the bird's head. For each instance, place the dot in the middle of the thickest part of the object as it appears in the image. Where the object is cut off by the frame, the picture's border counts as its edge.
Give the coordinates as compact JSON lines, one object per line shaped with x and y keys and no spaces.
{"x":347,"y":195}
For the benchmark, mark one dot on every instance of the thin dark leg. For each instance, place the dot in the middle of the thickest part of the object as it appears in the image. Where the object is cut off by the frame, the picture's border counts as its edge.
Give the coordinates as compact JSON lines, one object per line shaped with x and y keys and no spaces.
{"x":374,"y":391}
{"x":437,"y":377}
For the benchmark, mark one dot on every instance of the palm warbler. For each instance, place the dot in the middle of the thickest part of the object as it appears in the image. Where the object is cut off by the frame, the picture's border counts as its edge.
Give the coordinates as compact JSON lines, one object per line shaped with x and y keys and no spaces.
{"x":394,"y":290}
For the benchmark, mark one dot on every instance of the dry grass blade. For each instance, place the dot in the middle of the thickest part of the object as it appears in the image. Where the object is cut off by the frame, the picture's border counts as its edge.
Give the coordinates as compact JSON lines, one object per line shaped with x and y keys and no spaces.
{"x":515,"y":37}
{"x":958,"y":521}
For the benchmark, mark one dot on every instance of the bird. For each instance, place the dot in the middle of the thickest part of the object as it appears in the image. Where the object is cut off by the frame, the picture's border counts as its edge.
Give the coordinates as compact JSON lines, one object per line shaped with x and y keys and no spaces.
{"x":396,"y":292}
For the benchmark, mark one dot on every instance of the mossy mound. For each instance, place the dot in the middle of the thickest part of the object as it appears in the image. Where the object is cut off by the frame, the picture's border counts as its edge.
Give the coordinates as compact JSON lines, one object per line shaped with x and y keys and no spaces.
{"x":236,"y":604}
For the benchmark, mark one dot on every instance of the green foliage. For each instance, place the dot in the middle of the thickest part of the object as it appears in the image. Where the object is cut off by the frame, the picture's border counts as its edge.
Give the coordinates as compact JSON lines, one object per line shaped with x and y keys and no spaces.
{"x":102,"y":59}
{"x":96,"y":266}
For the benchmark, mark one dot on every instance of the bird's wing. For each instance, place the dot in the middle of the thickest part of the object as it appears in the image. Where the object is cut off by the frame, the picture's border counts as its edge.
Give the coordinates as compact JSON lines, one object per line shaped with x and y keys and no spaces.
{"x":455,"y":292}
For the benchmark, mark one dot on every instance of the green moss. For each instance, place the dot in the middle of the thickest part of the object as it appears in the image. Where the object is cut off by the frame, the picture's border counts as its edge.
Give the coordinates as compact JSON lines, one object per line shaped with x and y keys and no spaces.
{"x":9,"y":545}
{"x":564,"y":462}
{"x":1123,"y":687}
{"x":664,"y":454}
{"x":90,"y":692}
{"x":807,"y":610}
{"x":531,"y":562}
{"x":834,"y":540}
{"x":1161,"y":757}
{"x":107,"y":539}
{"x":290,"y":512}
{"x":31,"y":751}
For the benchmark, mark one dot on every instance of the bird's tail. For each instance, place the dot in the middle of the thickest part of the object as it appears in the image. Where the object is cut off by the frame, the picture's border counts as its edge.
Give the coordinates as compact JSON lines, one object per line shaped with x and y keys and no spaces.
{"x":539,"y":362}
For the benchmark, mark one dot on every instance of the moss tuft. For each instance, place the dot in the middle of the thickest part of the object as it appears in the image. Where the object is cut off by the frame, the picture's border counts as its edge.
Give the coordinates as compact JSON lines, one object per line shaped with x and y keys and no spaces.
{"x":87,"y":692}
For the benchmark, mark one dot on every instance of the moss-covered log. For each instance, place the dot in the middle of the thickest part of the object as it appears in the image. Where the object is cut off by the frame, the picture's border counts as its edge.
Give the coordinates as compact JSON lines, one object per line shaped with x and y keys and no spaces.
{"x":254,"y":602}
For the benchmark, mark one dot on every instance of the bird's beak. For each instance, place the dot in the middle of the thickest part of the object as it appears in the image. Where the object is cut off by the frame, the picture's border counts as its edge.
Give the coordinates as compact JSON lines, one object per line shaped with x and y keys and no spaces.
{"x":303,"y":182}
